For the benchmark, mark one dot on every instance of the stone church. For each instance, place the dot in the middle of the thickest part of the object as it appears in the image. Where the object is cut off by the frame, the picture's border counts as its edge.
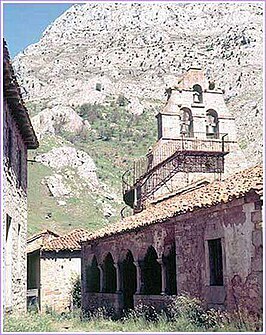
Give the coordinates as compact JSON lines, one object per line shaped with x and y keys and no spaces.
{"x":19,"y":137}
{"x":197,"y":223}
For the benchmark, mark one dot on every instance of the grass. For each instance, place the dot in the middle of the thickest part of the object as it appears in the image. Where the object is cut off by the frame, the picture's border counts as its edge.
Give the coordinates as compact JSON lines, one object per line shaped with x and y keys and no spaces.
{"x":35,"y":107}
{"x":44,"y":212}
{"x":116,"y":138}
{"x":188,"y":316}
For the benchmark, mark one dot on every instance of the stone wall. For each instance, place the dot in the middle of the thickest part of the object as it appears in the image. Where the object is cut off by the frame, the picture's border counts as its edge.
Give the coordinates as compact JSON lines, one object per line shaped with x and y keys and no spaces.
{"x":58,"y":271}
{"x":110,"y":302}
{"x":159,"y":302}
{"x":237,"y":225}
{"x":161,"y":237}
{"x":15,"y":211}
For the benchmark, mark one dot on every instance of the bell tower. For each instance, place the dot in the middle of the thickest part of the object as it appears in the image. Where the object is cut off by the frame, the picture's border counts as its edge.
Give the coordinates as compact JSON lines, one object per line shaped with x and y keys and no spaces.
{"x":196,"y":141}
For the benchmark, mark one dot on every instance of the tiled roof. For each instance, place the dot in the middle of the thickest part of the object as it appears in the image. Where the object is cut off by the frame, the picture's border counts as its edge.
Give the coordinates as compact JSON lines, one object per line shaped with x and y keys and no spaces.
{"x":13,"y":96}
{"x":43,"y":233}
{"x":209,"y":195}
{"x":36,"y":241}
{"x":69,"y":241}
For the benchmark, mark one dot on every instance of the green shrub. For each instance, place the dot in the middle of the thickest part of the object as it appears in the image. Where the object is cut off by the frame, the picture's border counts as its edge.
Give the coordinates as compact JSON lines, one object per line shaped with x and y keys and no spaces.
{"x":76,"y":293}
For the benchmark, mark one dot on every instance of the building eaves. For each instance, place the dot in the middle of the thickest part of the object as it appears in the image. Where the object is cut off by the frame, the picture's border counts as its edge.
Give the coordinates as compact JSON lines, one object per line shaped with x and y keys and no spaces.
{"x":12,"y":95}
{"x":42,"y":234}
{"x":236,"y":186}
{"x":70,"y":241}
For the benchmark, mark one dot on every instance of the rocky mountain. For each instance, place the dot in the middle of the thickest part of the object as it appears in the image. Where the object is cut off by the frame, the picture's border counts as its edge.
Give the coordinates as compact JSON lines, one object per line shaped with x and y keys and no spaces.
{"x":98,"y":75}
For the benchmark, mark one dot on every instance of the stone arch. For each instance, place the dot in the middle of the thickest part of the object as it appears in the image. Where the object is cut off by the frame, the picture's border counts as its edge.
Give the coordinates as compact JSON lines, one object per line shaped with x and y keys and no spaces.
{"x":152,"y":273}
{"x":197,"y":94}
{"x":212,"y":124}
{"x":122,"y":254}
{"x":104,"y":253}
{"x":169,"y":260}
{"x":129,"y":280}
{"x":186,"y":128}
{"x":109,"y":274}
{"x":93,"y":276}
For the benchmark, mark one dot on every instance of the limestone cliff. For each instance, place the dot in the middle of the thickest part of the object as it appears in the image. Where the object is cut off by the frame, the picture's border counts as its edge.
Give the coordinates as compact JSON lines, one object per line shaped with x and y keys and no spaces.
{"x":127,"y":54}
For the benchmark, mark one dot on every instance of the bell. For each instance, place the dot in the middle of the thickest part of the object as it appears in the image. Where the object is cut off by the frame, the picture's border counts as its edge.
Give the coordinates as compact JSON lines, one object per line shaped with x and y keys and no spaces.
{"x":184,"y":128}
{"x":210,"y":129}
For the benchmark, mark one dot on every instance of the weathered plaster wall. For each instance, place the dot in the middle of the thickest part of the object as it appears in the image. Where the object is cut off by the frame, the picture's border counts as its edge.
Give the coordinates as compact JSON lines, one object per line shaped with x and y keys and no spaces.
{"x":58,"y":270}
{"x":245,"y":260}
{"x":241,"y":235}
{"x":15,"y":206}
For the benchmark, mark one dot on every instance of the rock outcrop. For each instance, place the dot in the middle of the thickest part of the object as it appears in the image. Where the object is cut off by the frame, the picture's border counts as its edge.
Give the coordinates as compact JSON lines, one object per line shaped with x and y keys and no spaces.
{"x":94,"y":50}
{"x":57,"y":119}
{"x":68,"y":157}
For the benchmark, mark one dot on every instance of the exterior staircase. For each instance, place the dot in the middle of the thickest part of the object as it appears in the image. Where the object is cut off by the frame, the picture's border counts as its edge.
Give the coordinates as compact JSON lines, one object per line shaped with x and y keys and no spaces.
{"x":183,"y":155}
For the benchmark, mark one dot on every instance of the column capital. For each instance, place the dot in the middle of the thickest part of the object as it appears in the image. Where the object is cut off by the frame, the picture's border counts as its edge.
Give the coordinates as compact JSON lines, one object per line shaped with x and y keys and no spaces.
{"x":136,"y":263}
{"x":160,"y":260}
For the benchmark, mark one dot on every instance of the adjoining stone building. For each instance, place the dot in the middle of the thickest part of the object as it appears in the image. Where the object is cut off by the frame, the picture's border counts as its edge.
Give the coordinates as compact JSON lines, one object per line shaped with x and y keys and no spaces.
{"x":198,"y":212}
{"x":205,"y":240}
{"x":53,"y":266}
{"x":18,"y":138}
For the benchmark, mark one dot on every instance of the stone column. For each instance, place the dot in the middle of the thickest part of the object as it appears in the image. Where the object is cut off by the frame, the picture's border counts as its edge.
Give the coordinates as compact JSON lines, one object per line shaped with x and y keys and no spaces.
{"x":138,"y":274}
{"x":163,"y":271}
{"x":101,"y":278}
{"x":118,"y":278}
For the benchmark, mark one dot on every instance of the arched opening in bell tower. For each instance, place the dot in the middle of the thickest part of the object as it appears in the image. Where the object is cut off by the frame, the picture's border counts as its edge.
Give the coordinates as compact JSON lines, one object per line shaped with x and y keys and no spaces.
{"x":197,"y":94}
{"x":186,"y":129}
{"x":212,"y":129}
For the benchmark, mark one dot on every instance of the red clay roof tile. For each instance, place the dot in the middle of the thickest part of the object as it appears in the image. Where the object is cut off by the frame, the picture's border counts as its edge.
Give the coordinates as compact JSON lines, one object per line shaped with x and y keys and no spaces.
{"x":69,"y":241}
{"x":209,"y":195}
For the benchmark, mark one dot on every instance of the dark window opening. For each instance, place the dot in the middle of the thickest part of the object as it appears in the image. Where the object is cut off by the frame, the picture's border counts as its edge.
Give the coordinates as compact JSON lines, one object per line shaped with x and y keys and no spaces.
{"x":93,"y":277}
{"x":98,"y":87}
{"x":186,"y":123}
{"x":8,"y":225}
{"x":197,"y":95}
{"x":212,"y":130}
{"x":152,"y":276}
{"x":129,"y":280}
{"x":109,"y":274}
{"x":10,"y":147}
{"x":19,"y":167}
{"x":170,"y":269}
{"x":216,"y":262}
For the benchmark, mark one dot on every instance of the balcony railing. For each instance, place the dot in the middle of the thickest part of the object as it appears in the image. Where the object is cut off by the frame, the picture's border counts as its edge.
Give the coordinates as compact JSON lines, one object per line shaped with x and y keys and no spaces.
{"x":200,"y":142}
